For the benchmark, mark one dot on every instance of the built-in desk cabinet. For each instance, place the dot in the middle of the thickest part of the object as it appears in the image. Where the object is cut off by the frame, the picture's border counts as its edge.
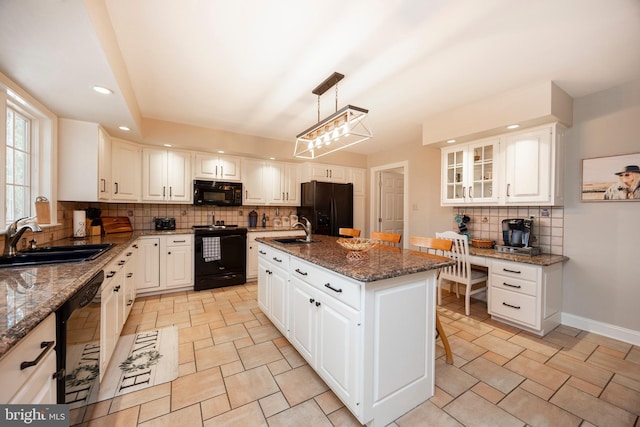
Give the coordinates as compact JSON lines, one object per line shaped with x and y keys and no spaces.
{"x":525,"y":295}
{"x":35,"y":384}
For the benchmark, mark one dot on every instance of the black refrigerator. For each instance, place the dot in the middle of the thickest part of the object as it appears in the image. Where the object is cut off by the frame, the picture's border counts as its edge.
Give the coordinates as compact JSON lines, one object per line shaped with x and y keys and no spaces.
{"x":327,"y":205}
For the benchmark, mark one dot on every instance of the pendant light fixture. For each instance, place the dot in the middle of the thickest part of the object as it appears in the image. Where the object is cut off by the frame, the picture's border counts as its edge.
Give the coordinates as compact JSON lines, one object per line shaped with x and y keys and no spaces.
{"x":344,"y":128}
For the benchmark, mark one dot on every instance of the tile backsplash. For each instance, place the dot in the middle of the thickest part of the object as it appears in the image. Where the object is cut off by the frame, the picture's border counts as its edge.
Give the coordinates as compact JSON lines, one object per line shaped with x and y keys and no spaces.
{"x":486,"y":223}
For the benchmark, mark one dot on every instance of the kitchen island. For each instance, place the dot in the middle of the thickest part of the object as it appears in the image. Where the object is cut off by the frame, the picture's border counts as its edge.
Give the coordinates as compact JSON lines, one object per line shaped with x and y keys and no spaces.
{"x":367,"y":327}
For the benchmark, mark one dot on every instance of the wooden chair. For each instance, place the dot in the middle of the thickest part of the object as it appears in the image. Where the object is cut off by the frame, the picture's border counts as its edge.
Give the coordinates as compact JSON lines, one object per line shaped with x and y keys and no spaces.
{"x":353,"y":232}
{"x":437,"y":247}
{"x":460,"y":272}
{"x":389,"y":239}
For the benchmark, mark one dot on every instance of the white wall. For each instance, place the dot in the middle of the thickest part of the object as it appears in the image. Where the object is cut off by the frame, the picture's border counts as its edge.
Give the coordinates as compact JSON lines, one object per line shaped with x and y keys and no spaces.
{"x":602,"y":239}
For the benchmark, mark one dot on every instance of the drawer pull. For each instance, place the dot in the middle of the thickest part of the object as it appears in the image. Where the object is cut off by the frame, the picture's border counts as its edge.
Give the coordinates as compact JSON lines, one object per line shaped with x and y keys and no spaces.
{"x":111,"y":274}
{"x":512,"y":271}
{"x":276,"y":259}
{"x":517,"y":307}
{"x":179,"y":241}
{"x":129,"y":276}
{"x":268,"y":271}
{"x":311,"y":300}
{"x":262,"y":252}
{"x":46,"y":345}
{"x":511,"y":286}
{"x":300,"y":272}
{"x":328,"y":285}
{"x":122,"y":262}
{"x":317,"y":303}
{"x":116,"y":289}
{"x":129,"y":253}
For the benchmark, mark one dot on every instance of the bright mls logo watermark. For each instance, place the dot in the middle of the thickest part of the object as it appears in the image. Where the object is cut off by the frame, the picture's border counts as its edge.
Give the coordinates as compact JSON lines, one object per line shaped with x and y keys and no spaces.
{"x":34,"y":415}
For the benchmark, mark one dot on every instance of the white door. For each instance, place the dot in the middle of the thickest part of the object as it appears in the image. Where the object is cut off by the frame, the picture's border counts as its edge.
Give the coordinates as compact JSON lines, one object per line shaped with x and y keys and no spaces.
{"x":303,"y":319}
{"x":391,"y":198}
{"x":264,"y":283}
{"x":154,"y":170}
{"x":147,"y":272}
{"x":279,"y":301}
{"x":179,"y":264}
{"x":179,"y":176}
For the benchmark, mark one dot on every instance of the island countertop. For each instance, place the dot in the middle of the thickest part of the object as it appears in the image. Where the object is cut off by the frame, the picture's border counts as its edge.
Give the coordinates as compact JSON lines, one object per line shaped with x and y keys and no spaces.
{"x":379,"y":264}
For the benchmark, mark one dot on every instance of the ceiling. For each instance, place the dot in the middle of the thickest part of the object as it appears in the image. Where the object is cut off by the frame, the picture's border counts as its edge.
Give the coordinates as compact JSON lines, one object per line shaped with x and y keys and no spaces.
{"x":249,"y":66}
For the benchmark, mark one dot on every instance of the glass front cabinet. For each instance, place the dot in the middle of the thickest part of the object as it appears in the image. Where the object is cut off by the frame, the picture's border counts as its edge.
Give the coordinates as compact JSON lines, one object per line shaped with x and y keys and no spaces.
{"x":469,"y":172}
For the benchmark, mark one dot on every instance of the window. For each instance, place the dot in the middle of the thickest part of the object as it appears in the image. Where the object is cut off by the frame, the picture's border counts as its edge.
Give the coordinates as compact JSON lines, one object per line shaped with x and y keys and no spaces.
{"x":18,"y":166}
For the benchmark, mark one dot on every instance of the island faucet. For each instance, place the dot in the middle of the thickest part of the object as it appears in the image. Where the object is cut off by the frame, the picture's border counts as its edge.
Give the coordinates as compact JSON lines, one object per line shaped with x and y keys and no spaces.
{"x":14,"y":232}
{"x":306,"y":226}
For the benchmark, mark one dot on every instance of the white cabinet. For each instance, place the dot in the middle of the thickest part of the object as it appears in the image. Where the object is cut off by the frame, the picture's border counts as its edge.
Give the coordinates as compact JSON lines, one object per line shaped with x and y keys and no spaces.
{"x":533,"y":167}
{"x":84,"y":161}
{"x":33,"y":384}
{"x":324,"y":172}
{"x":166,"y":175}
{"x":252,"y":247}
{"x":165,"y":262}
{"x":528,"y":296}
{"x":224,"y":168}
{"x":273,"y":294}
{"x":469,"y":172}
{"x":125,"y":171}
{"x":271,"y":183}
{"x":358,"y":177}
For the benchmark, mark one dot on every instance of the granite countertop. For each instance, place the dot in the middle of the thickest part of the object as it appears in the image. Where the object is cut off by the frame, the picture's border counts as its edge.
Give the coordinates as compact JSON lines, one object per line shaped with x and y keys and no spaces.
{"x":29,"y":294}
{"x":380,"y":264}
{"x":542,"y":259}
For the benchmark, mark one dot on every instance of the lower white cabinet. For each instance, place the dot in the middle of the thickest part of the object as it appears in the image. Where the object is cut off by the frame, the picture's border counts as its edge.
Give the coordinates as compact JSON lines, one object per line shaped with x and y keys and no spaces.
{"x":166,"y":262}
{"x":252,"y":247}
{"x":33,"y":384}
{"x":526,"y":295}
{"x":372,"y":343}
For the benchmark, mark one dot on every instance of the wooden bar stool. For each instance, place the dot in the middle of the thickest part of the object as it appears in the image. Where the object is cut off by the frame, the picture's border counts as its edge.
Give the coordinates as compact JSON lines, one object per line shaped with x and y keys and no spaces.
{"x":437,"y":247}
{"x":353,"y":232}
{"x":392,"y":239}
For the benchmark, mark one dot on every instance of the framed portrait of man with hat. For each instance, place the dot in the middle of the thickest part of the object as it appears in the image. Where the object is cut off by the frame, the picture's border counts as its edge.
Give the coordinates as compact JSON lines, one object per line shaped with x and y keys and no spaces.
{"x":614,"y":178}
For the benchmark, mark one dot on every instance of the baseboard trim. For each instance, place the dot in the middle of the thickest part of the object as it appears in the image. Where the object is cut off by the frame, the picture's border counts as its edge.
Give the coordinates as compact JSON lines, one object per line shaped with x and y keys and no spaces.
{"x":601,"y":328}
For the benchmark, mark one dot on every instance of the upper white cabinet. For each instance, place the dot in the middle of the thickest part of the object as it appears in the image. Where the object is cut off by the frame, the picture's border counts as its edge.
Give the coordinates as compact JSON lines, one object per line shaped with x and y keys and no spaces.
{"x":532,"y":167}
{"x":520,"y":168}
{"x":84,"y":161}
{"x":271,"y":183}
{"x":324,"y":172}
{"x":209,"y":166}
{"x":166,"y":175}
{"x":125,"y":170}
{"x":469,"y":173}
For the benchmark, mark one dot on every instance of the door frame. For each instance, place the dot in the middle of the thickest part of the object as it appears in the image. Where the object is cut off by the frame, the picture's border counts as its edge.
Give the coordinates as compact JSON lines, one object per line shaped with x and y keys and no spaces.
{"x":373,"y":186}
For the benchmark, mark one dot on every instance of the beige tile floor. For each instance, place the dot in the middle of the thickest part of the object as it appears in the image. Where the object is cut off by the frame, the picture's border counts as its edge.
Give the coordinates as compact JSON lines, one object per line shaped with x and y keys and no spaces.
{"x":237,"y":370}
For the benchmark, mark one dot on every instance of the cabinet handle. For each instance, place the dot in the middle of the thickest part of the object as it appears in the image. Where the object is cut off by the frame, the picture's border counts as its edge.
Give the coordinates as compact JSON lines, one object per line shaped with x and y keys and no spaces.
{"x":179,"y":241}
{"x":517,"y":307}
{"x":164,"y":191}
{"x":135,"y":246}
{"x":511,"y":271}
{"x":104,"y":185}
{"x":155,"y":244}
{"x":464,"y":192}
{"x":508,"y":187}
{"x":216,"y":170}
{"x":111,"y":274}
{"x":311,"y":300}
{"x":169,"y":253}
{"x":170,"y":192}
{"x":283,"y":195}
{"x":46,"y":345}
{"x":221,"y":171}
{"x":246,"y":194}
{"x":300,"y":272}
{"x":328,"y":285}
{"x":262,"y":252}
{"x":317,"y":303}
{"x":116,"y":184}
{"x":122,"y":262}
{"x":129,"y":276}
{"x":116,"y":289}
{"x":511,"y":286}
{"x":129,"y":253}
{"x":470,"y":192}
{"x":276,"y":259}
{"x":130,"y":302}
{"x":287,"y":195}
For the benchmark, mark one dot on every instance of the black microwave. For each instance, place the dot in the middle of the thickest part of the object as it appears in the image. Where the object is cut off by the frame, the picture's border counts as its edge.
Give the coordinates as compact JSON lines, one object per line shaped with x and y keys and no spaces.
{"x":217,"y":193}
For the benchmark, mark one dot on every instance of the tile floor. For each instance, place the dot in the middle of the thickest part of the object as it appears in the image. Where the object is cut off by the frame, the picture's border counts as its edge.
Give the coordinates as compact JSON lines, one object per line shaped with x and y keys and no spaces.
{"x":237,"y":370}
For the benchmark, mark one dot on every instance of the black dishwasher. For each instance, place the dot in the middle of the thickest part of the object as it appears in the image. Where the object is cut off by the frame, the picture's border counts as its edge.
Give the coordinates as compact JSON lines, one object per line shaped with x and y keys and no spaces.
{"x":220,"y":256}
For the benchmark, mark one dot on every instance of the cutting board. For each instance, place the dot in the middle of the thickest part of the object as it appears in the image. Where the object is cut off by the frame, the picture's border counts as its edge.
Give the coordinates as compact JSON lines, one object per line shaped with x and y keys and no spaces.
{"x":116,"y":224}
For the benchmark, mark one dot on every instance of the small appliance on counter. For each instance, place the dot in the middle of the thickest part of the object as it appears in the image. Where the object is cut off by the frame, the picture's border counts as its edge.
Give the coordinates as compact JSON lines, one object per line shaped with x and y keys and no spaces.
{"x":163,"y":224}
{"x":516,"y":237}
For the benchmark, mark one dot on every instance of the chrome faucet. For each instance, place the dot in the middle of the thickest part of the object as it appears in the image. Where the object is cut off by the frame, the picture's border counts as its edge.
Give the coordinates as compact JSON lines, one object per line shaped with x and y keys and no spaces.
{"x":14,"y":232}
{"x":306,"y":226}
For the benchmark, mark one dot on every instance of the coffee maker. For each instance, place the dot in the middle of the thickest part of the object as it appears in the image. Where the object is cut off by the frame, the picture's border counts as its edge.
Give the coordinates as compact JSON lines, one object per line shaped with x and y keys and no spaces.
{"x":516,"y":236}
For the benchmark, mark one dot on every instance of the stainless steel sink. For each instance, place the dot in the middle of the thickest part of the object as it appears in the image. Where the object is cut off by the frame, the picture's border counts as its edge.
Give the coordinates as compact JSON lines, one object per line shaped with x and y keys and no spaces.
{"x":55,"y":255}
{"x":291,"y":240}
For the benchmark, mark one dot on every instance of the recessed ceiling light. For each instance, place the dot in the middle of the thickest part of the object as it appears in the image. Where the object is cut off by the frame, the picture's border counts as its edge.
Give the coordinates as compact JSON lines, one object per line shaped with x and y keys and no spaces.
{"x":124,"y":128}
{"x":451,"y":141}
{"x":221,"y":151}
{"x":103,"y":90}
{"x":167,"y":145}
{"x":513,"y":126}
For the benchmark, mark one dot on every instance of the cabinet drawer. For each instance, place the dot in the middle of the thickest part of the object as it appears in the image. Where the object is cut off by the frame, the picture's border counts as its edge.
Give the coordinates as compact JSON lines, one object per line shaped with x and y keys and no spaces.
{"x":336,"y":287}
{"x":179,"y":240}
{"x":515,"y":269}
{"x":514,"y":284}
{"x":28,"y":349}
{"x":514,"y":306}
{"x":275,"y":257}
